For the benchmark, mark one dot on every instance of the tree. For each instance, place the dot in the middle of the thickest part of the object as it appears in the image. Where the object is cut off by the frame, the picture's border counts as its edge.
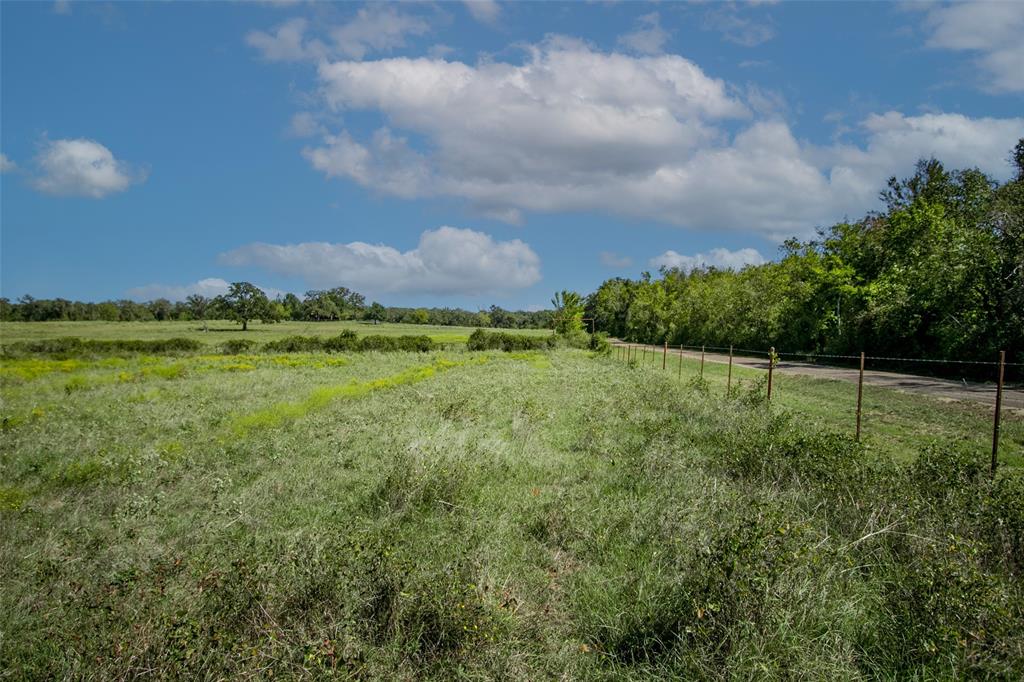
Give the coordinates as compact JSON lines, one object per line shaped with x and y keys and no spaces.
{"x":199,"y":307}
{"x":375,"y":312}
{"x":568,"y":312}
{"x":244,"y":302}
{"x":320,"y":305}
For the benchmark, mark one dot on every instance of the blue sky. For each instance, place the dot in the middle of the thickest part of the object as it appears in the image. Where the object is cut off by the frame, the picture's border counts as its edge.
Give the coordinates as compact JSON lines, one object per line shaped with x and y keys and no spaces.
{"x":469,"y":153}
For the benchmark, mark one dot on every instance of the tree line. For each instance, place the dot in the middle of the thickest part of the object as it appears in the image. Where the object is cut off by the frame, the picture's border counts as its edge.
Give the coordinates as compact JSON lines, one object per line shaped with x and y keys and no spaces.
{"x":939,"y":273}
{"x":245,"y":302}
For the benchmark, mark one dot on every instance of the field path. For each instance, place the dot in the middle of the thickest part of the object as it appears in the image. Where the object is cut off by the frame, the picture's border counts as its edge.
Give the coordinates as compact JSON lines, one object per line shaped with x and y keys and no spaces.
{"x":984,"y":393}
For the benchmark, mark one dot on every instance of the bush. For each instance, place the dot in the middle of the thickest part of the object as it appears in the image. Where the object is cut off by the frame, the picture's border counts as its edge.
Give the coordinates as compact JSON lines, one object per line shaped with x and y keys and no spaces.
{"x":70,"y":346}
{"x":295,"y":344}
{"x":237,"y":346}
{"x":344,"y":341}
{"x":599,"y":343}
{"x":484,"y":340}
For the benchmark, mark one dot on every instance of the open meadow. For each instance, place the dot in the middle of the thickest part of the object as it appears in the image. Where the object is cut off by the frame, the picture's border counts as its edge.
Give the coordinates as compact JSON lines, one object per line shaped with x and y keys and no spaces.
{"x":522,"y":515}
{"x":217,"y":331}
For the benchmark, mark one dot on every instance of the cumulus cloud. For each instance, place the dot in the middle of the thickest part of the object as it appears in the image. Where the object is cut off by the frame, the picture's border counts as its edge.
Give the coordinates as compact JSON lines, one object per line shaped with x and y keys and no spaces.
{"x":484,"y":11}
{"x":82,"y":167}
{"x":648,"y":37}
{"x":446,"y":261}
{"x":613,"y":260}
{"x":6,"y":164}
{"x":375,"y":28}
{"x":572,"y":128}
{"x":717,"y":258}
{"x":992,"y":30}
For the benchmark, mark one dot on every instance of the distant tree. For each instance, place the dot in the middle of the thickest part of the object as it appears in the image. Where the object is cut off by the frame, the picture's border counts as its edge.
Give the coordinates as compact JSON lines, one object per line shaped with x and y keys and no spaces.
{"x":161,"y":309}
{"x":244,"y":302}
{"x":568,"y":312}
{"x":293,"y":305}
{"x":199,"y":307}
{"x":420,"y":316}
{"x":320,"y":305}
{"x":376,"y":312}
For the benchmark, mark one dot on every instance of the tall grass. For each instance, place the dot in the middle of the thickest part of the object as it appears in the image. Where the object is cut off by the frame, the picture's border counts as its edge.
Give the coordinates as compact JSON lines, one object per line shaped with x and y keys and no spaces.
{"x":512,"y":519}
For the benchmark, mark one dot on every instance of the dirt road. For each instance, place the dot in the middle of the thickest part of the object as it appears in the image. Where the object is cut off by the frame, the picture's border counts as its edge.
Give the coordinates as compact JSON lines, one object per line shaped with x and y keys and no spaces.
{"x":985,"y":393}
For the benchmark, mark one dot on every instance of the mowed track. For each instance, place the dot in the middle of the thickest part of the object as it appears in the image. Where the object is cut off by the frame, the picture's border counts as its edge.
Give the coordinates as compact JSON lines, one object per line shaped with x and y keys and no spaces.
{"x":984,"y":393}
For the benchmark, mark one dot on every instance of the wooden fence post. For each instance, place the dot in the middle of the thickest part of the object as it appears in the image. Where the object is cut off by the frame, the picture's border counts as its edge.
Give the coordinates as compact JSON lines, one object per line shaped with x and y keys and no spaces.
{"x":999,"y":406}
{"x":680,"y":361}
{"x":664,"y":355}
{"x":702,"y":362}
{"x":728,"y":381}
{"x":860,"y":393}
{"x":771,"y":366}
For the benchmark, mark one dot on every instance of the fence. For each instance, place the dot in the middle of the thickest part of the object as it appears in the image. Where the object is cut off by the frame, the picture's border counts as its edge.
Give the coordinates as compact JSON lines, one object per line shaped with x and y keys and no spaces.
{"x":629,"y":351}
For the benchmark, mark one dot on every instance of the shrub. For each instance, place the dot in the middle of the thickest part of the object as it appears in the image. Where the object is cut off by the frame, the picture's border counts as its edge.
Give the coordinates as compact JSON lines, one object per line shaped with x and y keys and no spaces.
{"x":345,"y":341}
{"x":237,"y":346}
{"x":484,"y":340}
{"x":69,"y":346}
{"x":295,"y":344}
{"x":599,"y":343}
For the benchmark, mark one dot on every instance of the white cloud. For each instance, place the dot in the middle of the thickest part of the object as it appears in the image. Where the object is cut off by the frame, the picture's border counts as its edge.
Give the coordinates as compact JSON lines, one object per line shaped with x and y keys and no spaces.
{"x":305,"y":124}
{"x":210,"y":287}
{"x":736,"y":28}
{"x":485,"y":11}
{"x":716,"y":258}
{"x":575,"y":129}
{"x":82,"y":167}
{"x":993,"y":30}
{"x":648,"y":37}
{"x":447,"y":260}
{"x":376,"y":28}
{"x":614,"y":260}
{"x":6,"y":165}
{"x":287,"y":43}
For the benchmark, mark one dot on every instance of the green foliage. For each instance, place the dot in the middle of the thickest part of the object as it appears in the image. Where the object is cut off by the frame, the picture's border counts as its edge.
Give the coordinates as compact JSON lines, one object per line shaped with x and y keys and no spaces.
{"x":245,"y":302}
{"x":69,"y":347}
{"x":484,"y":340}
{"x":568,"y":312}
{"x":237,"y":346}
{"x":599,"y":343}
{"x":940,"y":273}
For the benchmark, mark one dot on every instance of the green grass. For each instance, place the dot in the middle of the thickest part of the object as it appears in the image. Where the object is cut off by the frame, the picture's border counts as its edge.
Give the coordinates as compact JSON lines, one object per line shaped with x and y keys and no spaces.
{"x":893,"y":424}
{"x":222,"y":330}
{"x":488,"y":516}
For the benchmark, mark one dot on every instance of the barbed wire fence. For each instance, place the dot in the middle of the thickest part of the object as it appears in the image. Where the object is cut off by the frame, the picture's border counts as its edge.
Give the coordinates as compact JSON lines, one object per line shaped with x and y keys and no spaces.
{"x":638,"y":353}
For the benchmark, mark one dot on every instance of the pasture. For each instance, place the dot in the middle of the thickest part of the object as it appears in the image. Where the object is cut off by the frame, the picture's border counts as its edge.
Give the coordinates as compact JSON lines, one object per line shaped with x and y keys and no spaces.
{"x":217,"y":331}
{"x":492,"y":515}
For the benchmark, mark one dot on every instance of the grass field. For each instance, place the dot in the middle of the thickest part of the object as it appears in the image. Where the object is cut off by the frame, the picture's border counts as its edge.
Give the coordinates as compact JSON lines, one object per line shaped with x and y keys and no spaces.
{"x":222,"y":330}
{"x":489,"y":515}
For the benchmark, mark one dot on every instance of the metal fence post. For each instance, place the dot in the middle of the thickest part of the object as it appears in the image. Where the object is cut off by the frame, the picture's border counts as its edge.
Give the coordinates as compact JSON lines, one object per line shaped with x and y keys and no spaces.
{"x":771,"y":366}
{"x":728,"y":381}
{"x":999,"y":405}
{"x":860,"y":393}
